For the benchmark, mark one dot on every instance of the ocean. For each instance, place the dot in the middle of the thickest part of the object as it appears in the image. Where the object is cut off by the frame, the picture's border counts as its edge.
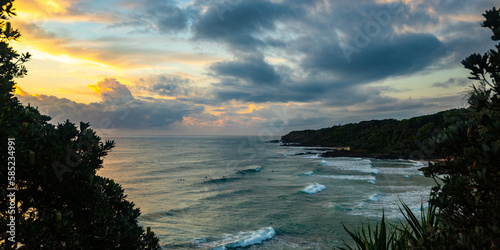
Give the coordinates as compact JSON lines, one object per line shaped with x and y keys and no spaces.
{"x":209,"y":192}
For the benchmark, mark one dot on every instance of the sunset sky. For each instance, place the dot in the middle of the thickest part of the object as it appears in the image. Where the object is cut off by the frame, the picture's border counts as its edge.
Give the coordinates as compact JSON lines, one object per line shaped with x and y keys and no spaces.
{"x":244,"y":67}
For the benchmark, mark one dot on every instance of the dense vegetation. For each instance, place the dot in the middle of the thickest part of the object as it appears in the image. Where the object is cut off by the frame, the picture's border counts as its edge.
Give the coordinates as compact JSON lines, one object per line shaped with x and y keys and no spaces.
{"x":50,"y":194}
{"x":464,"y":208}
{"x":390,"y":136}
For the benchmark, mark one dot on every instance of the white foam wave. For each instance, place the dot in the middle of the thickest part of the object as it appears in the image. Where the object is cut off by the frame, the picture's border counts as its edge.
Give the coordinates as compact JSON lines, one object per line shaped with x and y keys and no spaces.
{"x":400,"y":171}
{"x":251,"y":168}
{"x":418,"y":163}
{"x":314,"y":188}
{"x":373,"y":198}
{"x":402,"y":162}
{"x":388,"y":202}
{"x":345,"y":206}
{"x":351,"y":164}
{"x":308,"y":173}
{"x":316,"y":156}
{"x":349,"y":177}
{"x":244,"y":239}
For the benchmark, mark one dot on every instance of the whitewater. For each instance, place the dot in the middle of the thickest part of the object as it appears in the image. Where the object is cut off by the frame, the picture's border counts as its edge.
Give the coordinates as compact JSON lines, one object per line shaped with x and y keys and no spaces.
{"x":208,"y":192}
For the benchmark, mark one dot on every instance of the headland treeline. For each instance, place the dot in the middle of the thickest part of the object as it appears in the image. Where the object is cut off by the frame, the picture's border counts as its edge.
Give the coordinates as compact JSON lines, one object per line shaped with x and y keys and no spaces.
{"x":388,"y":138}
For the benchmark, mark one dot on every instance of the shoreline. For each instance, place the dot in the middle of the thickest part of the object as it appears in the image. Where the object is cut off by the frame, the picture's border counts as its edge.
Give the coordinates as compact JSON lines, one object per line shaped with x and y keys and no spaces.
{"x":329,"y":152}
{"x":381,"y":156}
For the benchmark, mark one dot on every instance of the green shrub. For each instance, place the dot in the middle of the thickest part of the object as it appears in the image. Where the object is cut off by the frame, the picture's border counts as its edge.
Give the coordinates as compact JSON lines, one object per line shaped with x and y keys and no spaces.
{"x":412,"y":233}
{"x":377,"y":237}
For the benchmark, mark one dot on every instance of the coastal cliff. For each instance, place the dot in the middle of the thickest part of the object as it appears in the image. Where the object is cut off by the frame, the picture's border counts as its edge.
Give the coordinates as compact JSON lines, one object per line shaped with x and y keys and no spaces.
{"x":389,"y":138}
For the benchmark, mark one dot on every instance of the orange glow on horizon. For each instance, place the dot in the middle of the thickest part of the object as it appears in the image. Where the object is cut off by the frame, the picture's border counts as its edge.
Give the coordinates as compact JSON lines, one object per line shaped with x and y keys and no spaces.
{"x":19,"y":91}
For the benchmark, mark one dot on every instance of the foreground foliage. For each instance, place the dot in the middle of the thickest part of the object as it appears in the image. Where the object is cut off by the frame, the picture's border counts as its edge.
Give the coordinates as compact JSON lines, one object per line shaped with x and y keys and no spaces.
{"x":415,"y":232}
{"x":60,"y":202}
{"x":380,"y":236}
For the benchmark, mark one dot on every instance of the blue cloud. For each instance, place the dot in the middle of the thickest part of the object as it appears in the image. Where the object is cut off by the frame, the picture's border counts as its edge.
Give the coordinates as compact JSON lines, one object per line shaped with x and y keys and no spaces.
{"x":250,"y":69}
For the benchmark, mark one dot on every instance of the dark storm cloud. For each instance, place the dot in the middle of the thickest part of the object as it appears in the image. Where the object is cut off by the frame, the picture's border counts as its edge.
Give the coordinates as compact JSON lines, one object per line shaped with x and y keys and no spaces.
{"x":167,"y":85}
{"x":324,"y":69}
{"x":304,"y":91}
{"x":240,"y":23}
{"x":398,"y":55}
{"x":331,"y":78}
{"x":250,"y":69}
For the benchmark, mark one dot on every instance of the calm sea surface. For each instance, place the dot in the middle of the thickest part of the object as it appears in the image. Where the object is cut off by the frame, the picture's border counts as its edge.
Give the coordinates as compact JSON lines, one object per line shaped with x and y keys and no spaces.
{"x":210,"y":192}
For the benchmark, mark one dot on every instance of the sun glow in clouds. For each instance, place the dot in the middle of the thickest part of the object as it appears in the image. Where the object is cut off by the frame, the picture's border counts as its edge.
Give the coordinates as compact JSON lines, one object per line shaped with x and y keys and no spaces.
{"x":251,"y":108}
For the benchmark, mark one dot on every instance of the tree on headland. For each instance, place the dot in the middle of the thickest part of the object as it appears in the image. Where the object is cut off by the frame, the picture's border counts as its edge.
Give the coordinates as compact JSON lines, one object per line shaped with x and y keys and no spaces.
{"x":51,"y":196}
{"x":385,"y":138}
